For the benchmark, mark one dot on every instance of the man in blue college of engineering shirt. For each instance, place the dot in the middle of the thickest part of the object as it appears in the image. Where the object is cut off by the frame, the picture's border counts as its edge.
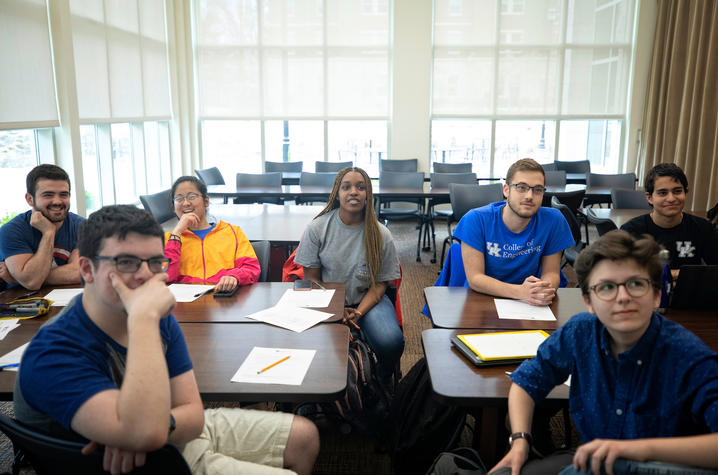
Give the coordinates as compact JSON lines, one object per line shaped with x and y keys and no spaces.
{"x":643,"y":388}
{"x":513,"y":249}
{"x":40,"y":246}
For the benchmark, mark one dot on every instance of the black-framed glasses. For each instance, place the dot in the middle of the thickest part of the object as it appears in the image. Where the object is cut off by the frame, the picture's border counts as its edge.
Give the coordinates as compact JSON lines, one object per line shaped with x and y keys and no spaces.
{"x":635,"y":286}
{"x":128,"y":264}
{"x":523,"y":188}
{"x":179,"y":199}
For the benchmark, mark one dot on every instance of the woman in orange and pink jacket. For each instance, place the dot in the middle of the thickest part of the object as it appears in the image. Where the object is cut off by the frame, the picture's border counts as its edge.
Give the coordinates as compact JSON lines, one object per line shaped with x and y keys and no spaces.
{"x":201,"y":252}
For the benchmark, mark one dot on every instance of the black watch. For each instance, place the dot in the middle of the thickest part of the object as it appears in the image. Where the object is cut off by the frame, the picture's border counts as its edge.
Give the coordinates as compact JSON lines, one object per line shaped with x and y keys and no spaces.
{"x":521,"y":435}
{"x":173,"y":424}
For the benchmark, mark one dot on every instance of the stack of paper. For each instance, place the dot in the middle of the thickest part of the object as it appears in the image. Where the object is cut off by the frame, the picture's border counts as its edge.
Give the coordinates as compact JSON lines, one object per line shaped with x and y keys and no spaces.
{"x":274,"y":366}
{"x":7,"y":325}
{"x":518,"y":310}
{"x":189,"y":292}
{"x":62,"y":297}
{"x":292,"y":312}
{"x":503,"y":347}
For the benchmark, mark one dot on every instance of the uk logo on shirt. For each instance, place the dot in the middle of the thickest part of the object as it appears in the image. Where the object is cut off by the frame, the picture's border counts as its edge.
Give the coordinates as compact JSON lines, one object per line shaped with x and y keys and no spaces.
{"x":685,"y":248}
{"x":493,"y":249}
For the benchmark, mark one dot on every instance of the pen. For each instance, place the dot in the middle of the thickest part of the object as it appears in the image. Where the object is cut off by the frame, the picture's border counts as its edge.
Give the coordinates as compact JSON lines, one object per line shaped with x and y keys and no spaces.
{"x":320,"y":286}
{"x":203,"y":292}
{"x":15,"y":365}
{"x":273,"y":364}
{"x":21,"y":310}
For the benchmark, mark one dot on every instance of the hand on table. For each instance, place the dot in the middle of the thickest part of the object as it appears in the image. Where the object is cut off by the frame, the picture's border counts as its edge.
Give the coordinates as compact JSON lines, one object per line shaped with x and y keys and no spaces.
{"x":537,"y":292}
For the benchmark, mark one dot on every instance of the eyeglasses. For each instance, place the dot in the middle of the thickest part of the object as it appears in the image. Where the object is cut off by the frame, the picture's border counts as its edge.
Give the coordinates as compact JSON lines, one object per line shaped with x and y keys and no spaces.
{"x":179,"y":199}
{"x":130,"y":264}
{"x":524,"y":188}
{"x":635,"y":286}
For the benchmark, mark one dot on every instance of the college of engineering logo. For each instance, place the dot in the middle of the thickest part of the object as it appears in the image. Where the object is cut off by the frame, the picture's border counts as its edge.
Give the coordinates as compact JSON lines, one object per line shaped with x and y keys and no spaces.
{"x":685,"y":248}
{"x":493,"y":249}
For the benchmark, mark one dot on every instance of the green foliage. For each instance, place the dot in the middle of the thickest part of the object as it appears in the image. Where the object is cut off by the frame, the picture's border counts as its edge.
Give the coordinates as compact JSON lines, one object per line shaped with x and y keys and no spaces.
{"x":8,"y":216}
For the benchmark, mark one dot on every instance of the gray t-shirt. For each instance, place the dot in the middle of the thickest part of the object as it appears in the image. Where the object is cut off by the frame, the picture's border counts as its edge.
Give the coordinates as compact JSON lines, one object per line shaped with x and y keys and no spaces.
{"x":338,"y":250}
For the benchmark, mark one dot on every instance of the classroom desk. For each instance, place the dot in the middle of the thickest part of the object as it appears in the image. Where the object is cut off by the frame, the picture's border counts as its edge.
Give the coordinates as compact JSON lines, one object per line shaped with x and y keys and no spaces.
{"x":249,"y":299}
{"x":218,"y":350}
{"x":461,"y":307}
{"x":621,"y":216}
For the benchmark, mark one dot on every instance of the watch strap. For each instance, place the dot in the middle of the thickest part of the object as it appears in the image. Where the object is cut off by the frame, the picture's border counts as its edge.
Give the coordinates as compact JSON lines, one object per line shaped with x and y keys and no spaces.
{"x":521,"y":435}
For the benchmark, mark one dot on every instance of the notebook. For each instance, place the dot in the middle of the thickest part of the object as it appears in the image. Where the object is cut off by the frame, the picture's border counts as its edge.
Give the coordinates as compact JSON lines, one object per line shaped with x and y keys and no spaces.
{"x":489,"y":349}
{"x":696,"y":287}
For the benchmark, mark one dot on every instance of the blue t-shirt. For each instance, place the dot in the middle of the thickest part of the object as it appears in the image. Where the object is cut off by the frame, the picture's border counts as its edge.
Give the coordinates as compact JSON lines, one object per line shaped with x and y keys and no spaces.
{"x":511,"y":257}
{"x":665,"y":386}
{"x":72,"y":359}
{"x":201,"y":233}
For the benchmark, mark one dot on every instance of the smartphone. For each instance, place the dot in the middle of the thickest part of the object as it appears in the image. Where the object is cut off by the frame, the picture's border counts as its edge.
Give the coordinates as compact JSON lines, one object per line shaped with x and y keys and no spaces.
{"x":219,"y":295}
{"x":302,"y":285}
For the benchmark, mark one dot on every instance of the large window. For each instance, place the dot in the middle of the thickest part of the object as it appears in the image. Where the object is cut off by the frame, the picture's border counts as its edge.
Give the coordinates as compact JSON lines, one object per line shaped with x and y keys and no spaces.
{"x":306,"y":80}
{"x":550,"y":78}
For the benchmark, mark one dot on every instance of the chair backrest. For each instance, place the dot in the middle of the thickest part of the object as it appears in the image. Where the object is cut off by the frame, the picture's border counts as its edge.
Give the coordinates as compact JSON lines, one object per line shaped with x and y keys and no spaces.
{"x":442,"y":180}
{"x":603,"y":225}
{"x":283,"y":166}
{"x":261,"y":249}
{"x":549,"y":167}
{"x":452,"y":167}
{"x":580,"y":166}
{"x":410,"y":165}
{"x":321,"y":167}
{"x":210,"y":176}
{"x":555,"y":178}
{"x":159,"y":205}
{"x":50,"y":455}
{"x":464,"y":198}
{"x":572,"y":199}
{"x":317,"y":179}
{"x":248,"y":180}
{"x":570,"y":218}
{"x":629,"y":199}
{"x":401,"y":180}
{"x":619,"y":180}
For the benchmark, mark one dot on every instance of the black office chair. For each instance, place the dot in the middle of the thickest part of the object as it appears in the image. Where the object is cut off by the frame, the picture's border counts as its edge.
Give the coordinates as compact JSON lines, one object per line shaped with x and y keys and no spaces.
{"x":619,"y":180}
{"x":629,"y":199}
{"x":555,"y":178}
{"x":52,"y":456}
{"x":579,"y":166}
{"x":549,"y":167}
{"x":324,"y":180}
{"x":603,"y":225}
{"x":410,"y":165}
{"x":283,"y":167}
{"x":262,"y":249}
{"x":325,"y":167}
{"x":570,"y":254}
{"x":443,"y":180}
{"x":210,"y":176}
{"x":160,"y":205}
{"x":452,"y":167}
{"x":573,"y":199}
{"x":413,"y":180}
{"x":464,"y":198}
{"x":249,"y":180}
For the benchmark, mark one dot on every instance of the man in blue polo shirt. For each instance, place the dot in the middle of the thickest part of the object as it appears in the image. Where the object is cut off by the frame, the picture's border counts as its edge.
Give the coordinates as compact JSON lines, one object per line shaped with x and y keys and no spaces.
{"x":513,"y":249}
{"x":40,"y":246}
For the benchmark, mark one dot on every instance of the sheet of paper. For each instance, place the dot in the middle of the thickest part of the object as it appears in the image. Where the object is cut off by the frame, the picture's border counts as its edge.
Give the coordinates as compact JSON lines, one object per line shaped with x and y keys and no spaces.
{"x":505,"y":345}
{"x":6,"y":326}
{"x":292,"y":318}
{"x":189,"y":292}
{"x":13,"y":357}
{"x":290,"y":371}
{"x":315,"y":298}
{"x":518,"y":310}
{"x":62,"y":297}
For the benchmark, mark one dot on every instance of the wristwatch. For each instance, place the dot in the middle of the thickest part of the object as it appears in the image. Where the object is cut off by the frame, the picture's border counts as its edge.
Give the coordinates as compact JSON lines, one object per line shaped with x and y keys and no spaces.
{"x":521,"y":435}
{"x":173,"y":424}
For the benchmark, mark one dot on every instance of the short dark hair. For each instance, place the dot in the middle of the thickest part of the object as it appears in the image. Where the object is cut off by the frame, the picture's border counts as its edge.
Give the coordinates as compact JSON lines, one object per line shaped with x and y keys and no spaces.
{"x":201,"y":187}
{"x":664,"y":169}
{"x":524,"y":165}
{"x":44,"y":172}
{"x":115,"y":221}
{"x":618,"y":245}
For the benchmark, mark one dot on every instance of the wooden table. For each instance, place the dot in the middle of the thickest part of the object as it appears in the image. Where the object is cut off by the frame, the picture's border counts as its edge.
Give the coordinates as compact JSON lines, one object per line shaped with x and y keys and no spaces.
{"x":461,"y":307}
{"x":218,"y":350}
{"x":249,"y":299}
{"x":622,"y":216}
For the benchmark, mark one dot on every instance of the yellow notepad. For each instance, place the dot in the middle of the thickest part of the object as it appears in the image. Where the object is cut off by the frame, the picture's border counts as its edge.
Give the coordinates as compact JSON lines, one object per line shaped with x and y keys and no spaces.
{"x":504,"y":345}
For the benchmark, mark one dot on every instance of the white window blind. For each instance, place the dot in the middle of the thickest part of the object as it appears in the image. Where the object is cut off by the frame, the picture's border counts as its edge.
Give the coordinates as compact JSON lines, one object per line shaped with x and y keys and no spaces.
{"x":293,"y":59}
{"x":27,"y":89}
{"x":120,"y":51}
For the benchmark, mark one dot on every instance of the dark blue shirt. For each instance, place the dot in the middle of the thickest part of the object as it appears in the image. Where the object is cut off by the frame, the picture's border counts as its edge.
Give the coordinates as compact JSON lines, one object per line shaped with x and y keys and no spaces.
{"x":665,"y":386}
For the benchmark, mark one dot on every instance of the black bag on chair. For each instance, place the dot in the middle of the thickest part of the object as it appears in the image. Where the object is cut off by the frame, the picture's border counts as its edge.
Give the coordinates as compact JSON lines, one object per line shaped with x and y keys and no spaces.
{"x":461,"y":461}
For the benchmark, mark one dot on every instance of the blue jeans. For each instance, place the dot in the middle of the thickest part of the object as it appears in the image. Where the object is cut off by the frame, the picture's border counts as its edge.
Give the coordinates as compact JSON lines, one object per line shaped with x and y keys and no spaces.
{"x":384,"y":335}
{"x":632,"y":467}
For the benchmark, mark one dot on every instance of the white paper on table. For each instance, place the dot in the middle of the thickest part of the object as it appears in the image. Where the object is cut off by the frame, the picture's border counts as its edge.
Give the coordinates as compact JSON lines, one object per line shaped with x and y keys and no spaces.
{"x":292,"y":318}
{"x":521,"y":344}
{"x":518,"y":310}
{"x":13,"y":357}
{"x":189,"y":292}
{"x":291,"y":371}
{"x":62,"y":297}
{"x":314,"y":298}
{"x":6,"y":326}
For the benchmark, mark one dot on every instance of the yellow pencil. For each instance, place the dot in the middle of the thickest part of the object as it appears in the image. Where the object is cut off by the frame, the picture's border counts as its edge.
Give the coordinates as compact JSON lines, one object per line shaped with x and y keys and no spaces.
{"x":273,"y":364}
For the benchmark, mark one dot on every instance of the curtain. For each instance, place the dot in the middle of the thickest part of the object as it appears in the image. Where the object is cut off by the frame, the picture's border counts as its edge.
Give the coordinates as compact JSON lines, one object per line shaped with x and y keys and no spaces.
{"x":681,"y":114}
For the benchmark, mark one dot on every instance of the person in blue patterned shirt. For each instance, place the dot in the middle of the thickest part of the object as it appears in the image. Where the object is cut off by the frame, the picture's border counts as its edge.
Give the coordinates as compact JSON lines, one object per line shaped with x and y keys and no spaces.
{"x":643,"y":388}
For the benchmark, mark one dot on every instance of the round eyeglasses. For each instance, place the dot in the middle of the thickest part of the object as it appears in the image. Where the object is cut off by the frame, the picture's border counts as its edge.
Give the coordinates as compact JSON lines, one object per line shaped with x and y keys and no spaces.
{"x":179,"y":199}
{"x":131,"y":264}
{"x":523,"y":188}
{"x":635,"y":286}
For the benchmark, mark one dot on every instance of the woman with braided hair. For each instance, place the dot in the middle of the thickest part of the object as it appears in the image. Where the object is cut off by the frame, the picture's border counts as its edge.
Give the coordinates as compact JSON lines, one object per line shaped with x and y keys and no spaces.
{"x":346,"y":243}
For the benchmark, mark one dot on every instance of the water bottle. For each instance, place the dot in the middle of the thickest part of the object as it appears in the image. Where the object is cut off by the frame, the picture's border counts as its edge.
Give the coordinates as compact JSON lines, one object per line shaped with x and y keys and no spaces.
{"x":666,"y":279}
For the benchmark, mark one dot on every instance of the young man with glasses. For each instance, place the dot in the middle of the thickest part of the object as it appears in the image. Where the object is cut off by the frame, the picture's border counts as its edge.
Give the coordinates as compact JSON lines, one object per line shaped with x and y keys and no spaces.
{"x":40,"y":246}
{"x":643,"y":388}
{"x":513,"y":248}
{"x":113,"y":368}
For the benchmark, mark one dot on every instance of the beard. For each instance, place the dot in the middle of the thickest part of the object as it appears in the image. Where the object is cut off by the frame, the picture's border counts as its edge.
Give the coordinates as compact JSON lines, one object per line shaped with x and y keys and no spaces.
{"x":520,"y":213}
{"x":53,"y":218}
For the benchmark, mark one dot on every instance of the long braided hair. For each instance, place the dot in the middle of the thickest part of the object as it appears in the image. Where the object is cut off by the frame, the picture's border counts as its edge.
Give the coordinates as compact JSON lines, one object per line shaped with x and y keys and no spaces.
{"x":372,"y":234}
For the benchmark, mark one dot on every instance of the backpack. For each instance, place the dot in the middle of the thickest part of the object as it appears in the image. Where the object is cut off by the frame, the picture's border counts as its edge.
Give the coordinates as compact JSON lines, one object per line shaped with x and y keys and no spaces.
{"x":422,"y":427}
{"x":461,"y":461}
{"x":712,"y":215}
